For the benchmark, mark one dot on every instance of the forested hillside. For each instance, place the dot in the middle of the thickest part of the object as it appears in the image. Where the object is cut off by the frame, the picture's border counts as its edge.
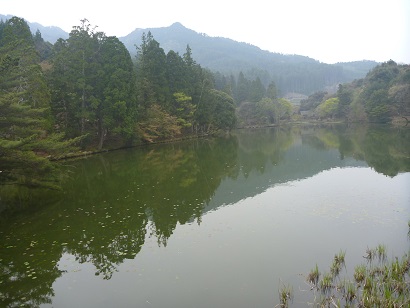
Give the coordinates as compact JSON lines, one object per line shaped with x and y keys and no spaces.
{"x":383,"y":95}
{"x":49,"y":33}
{"x":88,"y":92}
{"x":291,"y":73}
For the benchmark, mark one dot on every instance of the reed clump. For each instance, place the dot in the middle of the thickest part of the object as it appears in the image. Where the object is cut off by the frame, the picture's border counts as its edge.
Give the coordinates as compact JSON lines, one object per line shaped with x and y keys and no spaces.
{"x":377,"y":283}
{"x":285,"y":296}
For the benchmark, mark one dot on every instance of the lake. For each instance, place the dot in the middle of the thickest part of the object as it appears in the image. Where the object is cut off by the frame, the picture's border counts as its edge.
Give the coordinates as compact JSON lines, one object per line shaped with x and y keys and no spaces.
{"x":218,"y":222}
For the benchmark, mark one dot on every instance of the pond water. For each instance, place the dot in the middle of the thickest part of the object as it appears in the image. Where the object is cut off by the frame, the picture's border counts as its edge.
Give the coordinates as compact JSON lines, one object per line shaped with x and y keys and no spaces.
{"x":221,"y":222}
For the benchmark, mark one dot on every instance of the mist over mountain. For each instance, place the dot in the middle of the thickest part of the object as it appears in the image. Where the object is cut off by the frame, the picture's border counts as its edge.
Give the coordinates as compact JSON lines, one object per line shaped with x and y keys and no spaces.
{"x":291,"y":73}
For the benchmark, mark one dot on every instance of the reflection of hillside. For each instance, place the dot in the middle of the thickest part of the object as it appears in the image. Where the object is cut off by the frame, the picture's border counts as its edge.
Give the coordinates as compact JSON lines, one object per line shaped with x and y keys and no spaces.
{"x":112,"y":202}
{"x":271,"y":156}
{"x":297,"y":160}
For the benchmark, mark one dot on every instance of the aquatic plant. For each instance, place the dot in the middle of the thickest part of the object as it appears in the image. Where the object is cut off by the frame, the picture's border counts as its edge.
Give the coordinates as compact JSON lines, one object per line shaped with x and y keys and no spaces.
{"x":313,"y":276}
{"x":360,"y":273}
{"x":382,"y":283}
{"x":326,"y":283}
{"x":340,"y":257}
{"x":370,"y":253}
{"x":350,"y":292}
{"x":381,"y":252}
{"x":285,"y":296}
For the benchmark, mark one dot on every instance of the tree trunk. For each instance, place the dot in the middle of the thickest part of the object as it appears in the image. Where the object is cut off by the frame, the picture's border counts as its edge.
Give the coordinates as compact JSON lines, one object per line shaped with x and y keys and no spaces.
{"x":102,"y":132}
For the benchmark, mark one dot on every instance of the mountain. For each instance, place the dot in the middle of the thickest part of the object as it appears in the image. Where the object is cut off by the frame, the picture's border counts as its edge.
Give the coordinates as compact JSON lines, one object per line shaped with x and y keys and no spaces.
{"x":216,"y":53}
{"x":49,"y":34}
{"x":291,"y":73}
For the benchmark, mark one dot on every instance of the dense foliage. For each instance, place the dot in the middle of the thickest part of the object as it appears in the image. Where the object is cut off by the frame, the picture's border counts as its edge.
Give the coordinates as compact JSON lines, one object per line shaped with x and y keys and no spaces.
{"x":291,"y":73}
{"x":87,"y":90}
{"x":26,"y":134}
{"x":384,"y":94}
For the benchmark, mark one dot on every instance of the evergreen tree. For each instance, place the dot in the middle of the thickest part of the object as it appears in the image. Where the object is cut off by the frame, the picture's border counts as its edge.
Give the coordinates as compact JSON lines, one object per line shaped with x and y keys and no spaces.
{"x":242,"y":90}
{"x":115,"y":91}
{"x":73,"y":77}
{"x":152,"y":85}
{"x":189,"y":61}
{"x":25,"y":122}
{"x":257,"y":90}
{"x":43,"y":48}
{"x":93,"y":86}
{"x":272,"y":91}
{"x":176,"y":73}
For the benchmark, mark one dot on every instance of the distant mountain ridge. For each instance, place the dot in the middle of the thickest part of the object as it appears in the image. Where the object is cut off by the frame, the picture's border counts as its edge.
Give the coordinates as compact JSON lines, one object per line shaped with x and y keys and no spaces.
{"x":291,"y":73}
{"x":49,"y":34}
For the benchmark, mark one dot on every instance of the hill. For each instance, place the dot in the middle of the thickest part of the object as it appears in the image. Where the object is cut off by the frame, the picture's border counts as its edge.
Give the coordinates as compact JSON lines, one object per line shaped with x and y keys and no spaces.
{"x":49,"y":34}
{"x":291,"y":73}
{"x":382,"y":95}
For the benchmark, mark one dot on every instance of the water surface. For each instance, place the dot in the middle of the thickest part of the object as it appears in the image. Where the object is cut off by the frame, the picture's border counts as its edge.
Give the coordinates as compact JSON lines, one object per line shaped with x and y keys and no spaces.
{"x":209,"y":223}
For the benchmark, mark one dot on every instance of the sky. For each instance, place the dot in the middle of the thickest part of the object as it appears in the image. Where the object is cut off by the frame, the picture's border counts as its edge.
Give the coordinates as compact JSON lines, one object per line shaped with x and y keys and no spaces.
{"x":329,"y":31}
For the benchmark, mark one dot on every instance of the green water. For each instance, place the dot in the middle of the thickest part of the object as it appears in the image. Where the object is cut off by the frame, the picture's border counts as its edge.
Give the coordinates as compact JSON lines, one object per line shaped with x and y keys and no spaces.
{"x":218,"y":222}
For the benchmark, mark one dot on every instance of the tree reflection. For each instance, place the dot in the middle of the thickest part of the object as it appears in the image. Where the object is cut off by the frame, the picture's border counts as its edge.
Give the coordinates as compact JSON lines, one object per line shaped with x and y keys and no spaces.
{"x":112,"y":202}
{"x":108,"y":206}
{"x":384,"y":148}
{"x":259,"y":147}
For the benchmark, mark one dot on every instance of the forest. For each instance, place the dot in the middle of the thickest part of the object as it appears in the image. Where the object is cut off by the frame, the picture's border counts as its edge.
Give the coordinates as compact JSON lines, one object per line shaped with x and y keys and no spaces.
{"x":382,"y":96}
{"x":87,"y":93}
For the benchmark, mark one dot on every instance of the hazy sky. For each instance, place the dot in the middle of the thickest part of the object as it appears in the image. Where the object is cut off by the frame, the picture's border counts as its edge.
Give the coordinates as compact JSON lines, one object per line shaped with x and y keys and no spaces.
{"x":327,"y":30}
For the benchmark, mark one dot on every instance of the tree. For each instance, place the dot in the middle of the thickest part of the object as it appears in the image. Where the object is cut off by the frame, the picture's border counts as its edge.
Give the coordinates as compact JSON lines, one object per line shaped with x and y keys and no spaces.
{"x":312,"y":101}
{"x":189,"y":61}
{"x":399,"y":95}
{"x":257,"y":90}
{"x":220,"y":110}
{"x":345,"y":96}
{"x":72,"y":79}
{"x":43,"y":48}
{"x":152,"y":84}
{"x":115,"y":91}
{"x":266,"y":111}
{"x":284,"y":109}
{"x":93,"y":86}
{"x":176,"y":72}
{"x":272,"y":91}
{"x":183,"y":109}
{"x":377,"y":106}
{"x":158,"y":124}
{"x":26,"y":140}
{"x":329,"y":108}
{"x":242,"y":89}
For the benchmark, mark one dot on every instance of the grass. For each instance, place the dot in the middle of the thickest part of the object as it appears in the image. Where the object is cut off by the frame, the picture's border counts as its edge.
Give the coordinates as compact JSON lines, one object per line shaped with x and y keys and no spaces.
{"x":350,"y":292}
{"x":360,"y":273}
{"x":313,"y":276}
{"x":381,"y":252}
{"x":285,"y":296}
{"x":381,"y":282}
{"x":326,"y":283}
{"x":378,"y":283}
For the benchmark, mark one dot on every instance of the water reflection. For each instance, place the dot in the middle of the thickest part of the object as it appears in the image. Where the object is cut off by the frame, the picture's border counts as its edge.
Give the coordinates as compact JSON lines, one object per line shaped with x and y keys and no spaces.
{"x":113,"y":202}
